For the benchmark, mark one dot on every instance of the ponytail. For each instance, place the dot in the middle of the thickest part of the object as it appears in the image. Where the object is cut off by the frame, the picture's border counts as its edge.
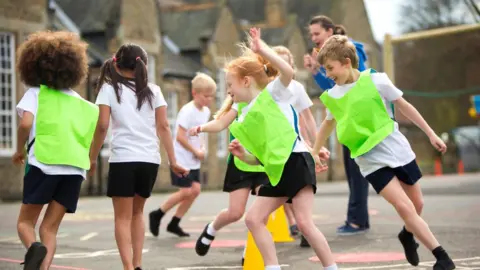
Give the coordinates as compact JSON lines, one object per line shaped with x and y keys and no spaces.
{"x":226,"y":107}
{"x":339,"y":30}
{"x":143,"y":92}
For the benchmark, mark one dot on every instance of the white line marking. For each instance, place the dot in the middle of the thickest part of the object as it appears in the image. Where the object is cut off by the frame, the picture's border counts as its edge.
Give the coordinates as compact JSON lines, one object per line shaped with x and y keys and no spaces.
{"x":401,"y":265}
{"x":212,"y":267}
{"x":88,"y":236}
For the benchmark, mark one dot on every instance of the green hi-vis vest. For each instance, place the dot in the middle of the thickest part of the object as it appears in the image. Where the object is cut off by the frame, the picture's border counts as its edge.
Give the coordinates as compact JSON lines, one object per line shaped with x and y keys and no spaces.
{"x":266,"y":133}
{"x":64,"y":129}
{"x":242,"y":166}
{"x":362,"y":119}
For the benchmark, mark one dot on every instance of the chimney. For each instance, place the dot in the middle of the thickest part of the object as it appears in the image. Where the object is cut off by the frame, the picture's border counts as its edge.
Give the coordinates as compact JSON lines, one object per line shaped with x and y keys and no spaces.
{"x":275,"y":12}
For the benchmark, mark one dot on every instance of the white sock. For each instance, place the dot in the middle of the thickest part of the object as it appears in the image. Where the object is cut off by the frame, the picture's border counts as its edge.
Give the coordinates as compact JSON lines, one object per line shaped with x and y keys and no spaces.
{"x":272,"y":267}
{"x":331,"y":267}
{"x":211,"y":231}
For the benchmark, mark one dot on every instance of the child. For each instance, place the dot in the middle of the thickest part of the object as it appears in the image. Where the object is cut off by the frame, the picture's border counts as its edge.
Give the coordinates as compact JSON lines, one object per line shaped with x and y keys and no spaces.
{"x":242,"y":178}
{"x":139,"y":117}
{"x":286,"y":159}
{"x":360,"y":105}
{"x":51,"y":63}
{"x":190,"y":152}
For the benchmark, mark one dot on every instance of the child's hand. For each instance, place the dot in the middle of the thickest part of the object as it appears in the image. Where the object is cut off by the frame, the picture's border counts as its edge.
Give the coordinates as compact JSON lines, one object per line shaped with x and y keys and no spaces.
{"x":324,"y":154}
{"x":179,"y":170}
{"x":19,"y":158}
{"x":195,"y":131}
{"x":256,"y":42}
{"x":319,"y":165}
{"x":93,"y":167}
{"x":236,"y":149}
{"x":200,"y":154}
{"x":438,"y":144}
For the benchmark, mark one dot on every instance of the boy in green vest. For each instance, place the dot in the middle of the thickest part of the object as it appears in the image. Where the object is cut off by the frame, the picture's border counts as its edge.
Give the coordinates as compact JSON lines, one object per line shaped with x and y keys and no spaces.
{"x":51,"y":63}
{"x":360,"y":106}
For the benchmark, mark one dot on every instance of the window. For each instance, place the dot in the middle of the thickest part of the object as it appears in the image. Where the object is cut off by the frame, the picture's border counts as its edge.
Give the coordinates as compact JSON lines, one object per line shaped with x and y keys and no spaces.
{"x":222,"y":139}
{"x":172,"y":109}
{"x":8,"y":118}
{"x":151,"y":69}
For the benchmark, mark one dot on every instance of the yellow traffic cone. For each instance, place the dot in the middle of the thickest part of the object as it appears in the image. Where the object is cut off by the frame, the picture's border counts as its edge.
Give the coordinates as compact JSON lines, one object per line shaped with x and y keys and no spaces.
{"x":253,"y":258}
{"x":278,"y":226}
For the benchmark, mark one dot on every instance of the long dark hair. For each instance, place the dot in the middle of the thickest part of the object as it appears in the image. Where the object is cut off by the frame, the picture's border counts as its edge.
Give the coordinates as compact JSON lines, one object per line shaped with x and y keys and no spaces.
{"x":128,"y":57}
{"x":327,"y":24}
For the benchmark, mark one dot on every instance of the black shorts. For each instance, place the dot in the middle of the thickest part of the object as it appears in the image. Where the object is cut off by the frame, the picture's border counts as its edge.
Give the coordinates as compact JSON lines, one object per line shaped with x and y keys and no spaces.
{"x":127,"y":179}
{"x":41,"y":188}
{"x":185,"y":181}
{"x":408,"y":174}
{"x":299,"y":172}
{"x":236,"y":179}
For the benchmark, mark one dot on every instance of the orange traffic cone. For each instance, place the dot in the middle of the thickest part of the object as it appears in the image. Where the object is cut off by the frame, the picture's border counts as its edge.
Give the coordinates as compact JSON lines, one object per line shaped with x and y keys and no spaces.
{"x":438,"y":167}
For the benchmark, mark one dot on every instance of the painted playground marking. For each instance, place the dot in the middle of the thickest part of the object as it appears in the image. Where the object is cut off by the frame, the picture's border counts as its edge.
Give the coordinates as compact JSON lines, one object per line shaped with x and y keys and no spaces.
{"x":212,"y":267}
{"x":462,"y":264}
{"x":88,"y":236}
{"x":365,"y":257}
{"x":82,"y":255}
{"x":52,"y":266}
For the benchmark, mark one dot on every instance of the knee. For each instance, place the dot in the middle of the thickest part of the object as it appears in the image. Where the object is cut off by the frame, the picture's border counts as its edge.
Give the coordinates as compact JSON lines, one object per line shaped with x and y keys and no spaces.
{"x":304,"y":224}
{"x":252,"y":221}
{"x":405,"y":209}
{"x":236,"y":214}
{"x":46,"y":228}
{"x":186,"y":193}
{"x":419,"y":205}
{"x":195,"y":191}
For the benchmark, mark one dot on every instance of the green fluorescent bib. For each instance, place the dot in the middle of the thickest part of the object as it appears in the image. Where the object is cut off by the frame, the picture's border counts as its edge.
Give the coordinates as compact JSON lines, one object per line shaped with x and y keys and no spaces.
{"x":362,"y":119}
{"x":259,"y":134}
{"x":242,"y":166}
{"x":64,"y":129}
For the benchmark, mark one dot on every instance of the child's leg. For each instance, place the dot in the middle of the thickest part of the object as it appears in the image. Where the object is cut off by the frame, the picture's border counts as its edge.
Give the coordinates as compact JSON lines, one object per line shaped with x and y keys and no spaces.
{"x":138,"y":230}
{"x":123,"y":209}
{"x":236,"y":208}
{"x":302,"y":206}
{"x":414,"y":192}
{"x":156,"y":216}
{"x":49,"y":229}
{"x":255,"y":220}
{"x":27,"y":219}
{"x":394,"y":194}
{"x":185,"y":204}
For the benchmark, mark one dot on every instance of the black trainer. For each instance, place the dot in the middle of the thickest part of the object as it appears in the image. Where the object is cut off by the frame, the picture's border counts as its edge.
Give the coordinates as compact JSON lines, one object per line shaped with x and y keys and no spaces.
{"x":175,"y":229}
{"x":200,"y":247}
{"x":444,"y":264}
{"x":154,"y":221}
{"x":304,"y":243}
{"x":34,"y":256}
{"x":409,"y":246}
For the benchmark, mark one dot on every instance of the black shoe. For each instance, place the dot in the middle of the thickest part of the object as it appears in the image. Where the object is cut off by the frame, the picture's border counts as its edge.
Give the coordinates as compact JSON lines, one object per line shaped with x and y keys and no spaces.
{"x":243,"y":261}
{"x":177,"y":230}
{"x":410,"y":247}
{"x":34,"y":256}
{"x":304,"y":243}
{"x":154,"y":222}
{"x":138,"y":268}
{"x":200,"y":247}
{"x":444,"y":264}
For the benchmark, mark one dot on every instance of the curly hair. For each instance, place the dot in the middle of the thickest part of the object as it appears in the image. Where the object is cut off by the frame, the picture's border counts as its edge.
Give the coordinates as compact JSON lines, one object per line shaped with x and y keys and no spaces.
{"x":55,"y":59}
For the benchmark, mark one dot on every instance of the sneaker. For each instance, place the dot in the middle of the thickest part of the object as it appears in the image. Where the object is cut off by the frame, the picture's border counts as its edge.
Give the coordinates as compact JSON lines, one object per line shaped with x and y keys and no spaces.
{"x":409,"y":247}
{"x":347,"y":229}
{"x":177,"y":230}
{"x":294,"y":230}
{"x":303,"y":242}
{"x":154,"y":222}
{"x":444,"y":264}
{"x":138,"y":268}
{"x":34,"y":256}
{"x":200,"y":247}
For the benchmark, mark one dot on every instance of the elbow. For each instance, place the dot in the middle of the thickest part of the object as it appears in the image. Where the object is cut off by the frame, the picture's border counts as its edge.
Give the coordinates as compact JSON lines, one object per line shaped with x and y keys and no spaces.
{"x":163,"y":127}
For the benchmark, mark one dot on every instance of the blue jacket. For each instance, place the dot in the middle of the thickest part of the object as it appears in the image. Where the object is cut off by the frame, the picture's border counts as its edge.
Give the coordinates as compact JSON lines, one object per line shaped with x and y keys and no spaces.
{"x":326,"y":83}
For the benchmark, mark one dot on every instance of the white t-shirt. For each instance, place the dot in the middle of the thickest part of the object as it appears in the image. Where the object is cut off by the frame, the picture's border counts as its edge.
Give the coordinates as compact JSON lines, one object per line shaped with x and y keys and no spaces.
{"x":395,"y":150}
{"x":188,"y":117}
{"x":29,"y":103}
{"x":134,"y":135}
{"x":283,"y":96}
{"x":300,"y":99}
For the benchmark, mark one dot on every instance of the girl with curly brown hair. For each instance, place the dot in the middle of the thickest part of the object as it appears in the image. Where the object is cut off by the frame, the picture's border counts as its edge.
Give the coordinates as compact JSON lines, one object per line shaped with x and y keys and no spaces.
{"x":139,"y":118}
{"x":51,"y":63}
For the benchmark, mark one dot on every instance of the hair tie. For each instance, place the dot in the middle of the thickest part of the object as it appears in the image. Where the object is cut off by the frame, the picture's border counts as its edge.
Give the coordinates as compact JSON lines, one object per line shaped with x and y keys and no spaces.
{"x":138,"y":57}
{"x":114,"y":59}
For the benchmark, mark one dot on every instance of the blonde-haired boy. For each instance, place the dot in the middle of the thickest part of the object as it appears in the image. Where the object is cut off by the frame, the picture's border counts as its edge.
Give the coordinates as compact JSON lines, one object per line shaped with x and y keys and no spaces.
{"x":189,"y":151}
